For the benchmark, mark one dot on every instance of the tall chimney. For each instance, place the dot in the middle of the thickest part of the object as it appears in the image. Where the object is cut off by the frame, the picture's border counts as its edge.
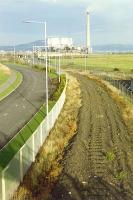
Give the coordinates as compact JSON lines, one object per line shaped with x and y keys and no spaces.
{"x":88,"y":40}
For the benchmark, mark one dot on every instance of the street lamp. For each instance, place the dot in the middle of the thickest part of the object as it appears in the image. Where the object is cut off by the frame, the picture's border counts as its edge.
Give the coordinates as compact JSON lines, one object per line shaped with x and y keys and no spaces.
{"x":59,"y":65}
{"x":46,"y":52}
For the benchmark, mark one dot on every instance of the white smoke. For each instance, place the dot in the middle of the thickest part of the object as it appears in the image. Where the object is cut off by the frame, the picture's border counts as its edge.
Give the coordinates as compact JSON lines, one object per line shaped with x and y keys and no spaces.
{"x":100,"y":5}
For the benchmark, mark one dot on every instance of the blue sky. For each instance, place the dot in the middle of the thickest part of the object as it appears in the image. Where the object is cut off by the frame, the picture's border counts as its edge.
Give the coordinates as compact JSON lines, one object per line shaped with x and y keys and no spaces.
{"x":111,"y":20}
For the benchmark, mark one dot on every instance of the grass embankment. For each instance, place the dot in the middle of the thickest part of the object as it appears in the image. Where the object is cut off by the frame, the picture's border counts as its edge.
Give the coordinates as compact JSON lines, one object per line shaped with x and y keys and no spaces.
{"x":5,"y":74}
{"x":13,"y":86}
{"x":44,"y":172}
{"x":7,"y":153}
{"x":3,"y":77}
{"x":107,"y":62}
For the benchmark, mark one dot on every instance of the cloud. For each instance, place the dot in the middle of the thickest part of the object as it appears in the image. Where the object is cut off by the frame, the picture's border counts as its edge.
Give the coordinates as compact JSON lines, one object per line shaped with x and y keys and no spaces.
{"x":110,"y":19}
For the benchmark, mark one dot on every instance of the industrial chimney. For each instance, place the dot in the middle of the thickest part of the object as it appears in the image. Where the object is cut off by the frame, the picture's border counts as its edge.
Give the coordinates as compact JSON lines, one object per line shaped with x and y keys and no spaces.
{"x":88,"y":40}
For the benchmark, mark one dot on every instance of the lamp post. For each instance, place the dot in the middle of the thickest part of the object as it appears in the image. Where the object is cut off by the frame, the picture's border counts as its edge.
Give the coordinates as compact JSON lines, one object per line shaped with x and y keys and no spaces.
{"x":46,"y":56}
{"x":59,"y":65}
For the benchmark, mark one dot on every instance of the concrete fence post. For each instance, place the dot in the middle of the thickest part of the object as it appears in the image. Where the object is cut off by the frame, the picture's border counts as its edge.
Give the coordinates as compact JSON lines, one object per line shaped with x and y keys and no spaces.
{"x":52,"y":117}
{"x":33,"y":147}
{"x":41,"y":135}
{"x":21,"y":165}
{"x":47,"y":124}
{"x":3,"y":186}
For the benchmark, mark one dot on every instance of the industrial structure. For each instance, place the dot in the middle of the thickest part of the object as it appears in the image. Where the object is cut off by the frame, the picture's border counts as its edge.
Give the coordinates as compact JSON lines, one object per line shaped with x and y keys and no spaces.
{"x":88,"y":34}
{"x":60,"y":43}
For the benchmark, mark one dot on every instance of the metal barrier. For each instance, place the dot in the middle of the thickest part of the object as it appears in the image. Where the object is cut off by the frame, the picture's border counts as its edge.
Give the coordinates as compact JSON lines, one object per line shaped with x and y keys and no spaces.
{"x":14,"y":172}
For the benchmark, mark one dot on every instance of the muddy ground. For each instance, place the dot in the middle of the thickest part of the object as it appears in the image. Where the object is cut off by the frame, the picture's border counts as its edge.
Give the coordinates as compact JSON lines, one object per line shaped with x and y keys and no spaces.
{"x":98,"y":163}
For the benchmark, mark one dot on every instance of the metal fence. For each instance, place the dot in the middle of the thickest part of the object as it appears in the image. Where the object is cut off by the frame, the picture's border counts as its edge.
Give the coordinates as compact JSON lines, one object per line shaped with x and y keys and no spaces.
{"x":14,"y":172}
{"x":121,"y":85}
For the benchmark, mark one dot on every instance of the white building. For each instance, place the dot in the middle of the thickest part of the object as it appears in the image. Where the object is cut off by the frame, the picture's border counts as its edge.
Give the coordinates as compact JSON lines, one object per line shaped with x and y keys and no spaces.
{"x":60,"y":42}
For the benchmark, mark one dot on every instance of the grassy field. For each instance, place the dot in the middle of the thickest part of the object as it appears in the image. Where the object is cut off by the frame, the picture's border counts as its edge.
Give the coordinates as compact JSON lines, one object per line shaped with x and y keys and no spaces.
{"x":107,"y":62}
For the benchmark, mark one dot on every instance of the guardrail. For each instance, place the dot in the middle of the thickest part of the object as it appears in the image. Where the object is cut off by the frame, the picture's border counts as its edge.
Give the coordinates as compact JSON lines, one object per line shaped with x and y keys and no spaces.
{"x":12,"y":175}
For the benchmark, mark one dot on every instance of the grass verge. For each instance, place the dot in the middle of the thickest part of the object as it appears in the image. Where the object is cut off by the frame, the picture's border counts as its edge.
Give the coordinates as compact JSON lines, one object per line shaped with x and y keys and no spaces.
{"x":13,"y":86}
{"x":44,"y":172}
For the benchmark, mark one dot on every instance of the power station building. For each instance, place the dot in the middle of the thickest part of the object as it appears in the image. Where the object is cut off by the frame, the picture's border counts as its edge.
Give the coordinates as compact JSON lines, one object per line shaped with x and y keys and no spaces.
{"x":60,"y":42}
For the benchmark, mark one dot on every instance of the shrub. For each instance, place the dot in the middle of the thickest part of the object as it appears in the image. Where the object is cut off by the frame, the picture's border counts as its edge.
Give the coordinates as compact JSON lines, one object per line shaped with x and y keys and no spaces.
{"x":131,"y":70}
{"x":116,"y":69}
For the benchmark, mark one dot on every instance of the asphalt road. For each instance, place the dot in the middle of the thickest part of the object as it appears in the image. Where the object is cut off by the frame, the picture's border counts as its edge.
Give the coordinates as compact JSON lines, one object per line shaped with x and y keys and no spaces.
{"x":22,"y":104}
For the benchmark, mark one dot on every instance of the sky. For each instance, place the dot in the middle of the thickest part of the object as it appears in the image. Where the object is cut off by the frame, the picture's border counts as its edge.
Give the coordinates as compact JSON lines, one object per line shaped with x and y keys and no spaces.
{"x":111,"y":20}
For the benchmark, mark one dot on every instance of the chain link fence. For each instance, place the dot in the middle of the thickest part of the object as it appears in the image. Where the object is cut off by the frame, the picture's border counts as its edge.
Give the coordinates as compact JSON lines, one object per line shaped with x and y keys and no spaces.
{"x":124,"y":86}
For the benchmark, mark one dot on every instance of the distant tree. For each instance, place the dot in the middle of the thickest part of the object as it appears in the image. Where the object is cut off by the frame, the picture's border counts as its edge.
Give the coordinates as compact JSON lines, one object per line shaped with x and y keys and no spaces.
{"x":67,"y":48}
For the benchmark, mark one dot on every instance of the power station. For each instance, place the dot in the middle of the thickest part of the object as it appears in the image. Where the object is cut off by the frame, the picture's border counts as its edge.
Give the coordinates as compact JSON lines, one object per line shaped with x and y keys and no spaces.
{"x":88,"y":34}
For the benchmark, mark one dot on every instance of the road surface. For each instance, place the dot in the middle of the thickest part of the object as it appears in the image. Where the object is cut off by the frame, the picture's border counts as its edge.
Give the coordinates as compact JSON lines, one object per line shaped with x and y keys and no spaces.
{"x":22,"y":104}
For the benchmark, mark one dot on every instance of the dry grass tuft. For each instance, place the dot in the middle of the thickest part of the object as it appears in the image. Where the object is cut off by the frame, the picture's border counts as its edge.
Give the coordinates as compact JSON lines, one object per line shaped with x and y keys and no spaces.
{"x":5,"y":69}
{"x":44,"y":172}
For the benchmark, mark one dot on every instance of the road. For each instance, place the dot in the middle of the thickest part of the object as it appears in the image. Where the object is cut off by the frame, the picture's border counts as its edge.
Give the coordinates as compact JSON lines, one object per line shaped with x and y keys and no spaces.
{"x":22,"y":104}
{"x":97,"y":164}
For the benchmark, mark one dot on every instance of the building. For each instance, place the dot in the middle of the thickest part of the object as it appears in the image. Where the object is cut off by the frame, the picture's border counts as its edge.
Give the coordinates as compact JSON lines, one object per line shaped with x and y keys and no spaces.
{"x":61,"y":43}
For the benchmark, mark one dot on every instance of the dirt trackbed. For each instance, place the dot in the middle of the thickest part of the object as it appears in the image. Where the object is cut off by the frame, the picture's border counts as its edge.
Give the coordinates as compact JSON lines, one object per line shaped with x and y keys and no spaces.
{"x":98,"y":163}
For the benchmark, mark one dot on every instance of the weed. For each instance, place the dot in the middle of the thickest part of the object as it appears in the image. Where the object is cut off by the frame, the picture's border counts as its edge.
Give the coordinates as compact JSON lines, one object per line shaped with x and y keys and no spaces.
{"x":121,"y":176}
{"x":110,"y":156}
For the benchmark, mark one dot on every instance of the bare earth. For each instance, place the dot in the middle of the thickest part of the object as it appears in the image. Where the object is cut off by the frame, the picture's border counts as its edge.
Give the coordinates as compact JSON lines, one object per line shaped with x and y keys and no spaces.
{"x":98,"y":163}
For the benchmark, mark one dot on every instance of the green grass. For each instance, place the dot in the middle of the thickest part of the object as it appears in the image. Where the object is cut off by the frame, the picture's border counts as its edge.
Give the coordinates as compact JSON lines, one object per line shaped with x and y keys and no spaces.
{"x":3,"y":77}
{"x":7,"y":153}
{"x":13,"y":86}
{"x":107,"y":62}
{"x":52,"y":75}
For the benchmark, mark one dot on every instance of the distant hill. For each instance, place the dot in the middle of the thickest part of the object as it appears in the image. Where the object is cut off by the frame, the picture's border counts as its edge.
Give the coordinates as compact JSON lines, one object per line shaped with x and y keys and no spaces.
{"x":97,"y":48}
{"x":113,"y":48}
{"x":23,"y":47}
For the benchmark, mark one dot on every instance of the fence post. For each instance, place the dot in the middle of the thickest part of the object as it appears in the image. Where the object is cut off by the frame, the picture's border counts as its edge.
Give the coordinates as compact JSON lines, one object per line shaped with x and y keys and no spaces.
{"x":21,"y":165}
{"x":41,"y":134}
{"x":33,"y":148}
{"x":52,"y":117}
{"x":3,"y":186}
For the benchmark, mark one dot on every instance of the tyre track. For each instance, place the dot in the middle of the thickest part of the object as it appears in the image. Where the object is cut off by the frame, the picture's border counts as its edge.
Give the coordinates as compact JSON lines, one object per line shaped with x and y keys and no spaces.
{"x":87,"y":174}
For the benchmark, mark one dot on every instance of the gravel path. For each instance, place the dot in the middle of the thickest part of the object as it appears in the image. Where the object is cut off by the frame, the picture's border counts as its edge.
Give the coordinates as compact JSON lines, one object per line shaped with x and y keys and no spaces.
{"x":97,"y":164}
